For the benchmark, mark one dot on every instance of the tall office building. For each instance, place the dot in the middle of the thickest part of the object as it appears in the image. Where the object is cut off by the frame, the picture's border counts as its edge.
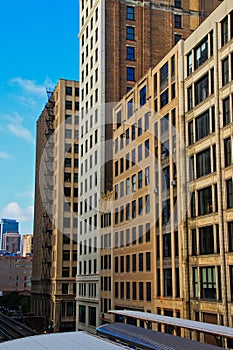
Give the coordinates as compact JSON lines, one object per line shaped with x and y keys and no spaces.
{"x":55,"y":218}
{"x":8,"y":225}
{"x":119,"y":42}
{"x":11,"y":242}
{"x":172,"y":225}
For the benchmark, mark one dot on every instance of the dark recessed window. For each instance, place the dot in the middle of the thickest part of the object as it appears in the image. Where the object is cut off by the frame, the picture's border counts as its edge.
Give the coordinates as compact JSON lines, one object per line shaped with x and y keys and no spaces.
{"x":129,"y":33}
{"x":177,"y":21}
{"x":130,"y":74}
{"x":69,"y":90}
{"x":130,"y":53}
{"x":130,"y":13}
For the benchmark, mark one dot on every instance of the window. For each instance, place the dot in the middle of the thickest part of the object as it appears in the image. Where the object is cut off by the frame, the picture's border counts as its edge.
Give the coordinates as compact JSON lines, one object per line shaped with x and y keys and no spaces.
{"x":202,"y":125}
{"x":92,"y":316}
{"x":201,"y":89}
{"x":140,"y":206}
{"x":146,"y":121}
{"x":133,"y":209}
{"x":190,"y":97}
{"x":130,"y":74}
{"x":127,"y":211}
{"x":148,"y":232}
{"x":127,"y":186}
{"x":203,"y":165}
{"x":205,"y":201}
{"x":189,"y":64}
{"x":177,"y":4}
{"x":147,"y":203}
{"x":190,"y":132}
{"x":134,"y":263}
{"x":130,"y":108}
{"x":224,"y":31}
{"x":167,"y":282}
{"x":68,"y":104}
{"x":130,"y":33}
{"x":134,"y":290}
{"x":177,"y":21}
{"x":167,"y":245}
{"x":130,"y":13}
{"x":140,"y":262}
{"x":147,"y":176}
{"x":225,"y":71}
{"x":201,"y":53}
{"x":177,"y":38}
{"x":164,"y":76}
{"x":147,"y":148}
{"x":164,"y":98}
{"x":130,"y":53}
{"x":226,"y":111}
{"x":82,"y":314}
{"x":140,"y":179}
{"x":133,"y":183}
{"x":195,"y":282}
{"x":166,"y":212}
{"x":141,"y":296}
{"x":118,"y":117}
{"x":229,"y":185}
{"x":206,"y":240}
{"x":143,"y":96}
{"x":208,"y":283}
{"x":227,"y":152}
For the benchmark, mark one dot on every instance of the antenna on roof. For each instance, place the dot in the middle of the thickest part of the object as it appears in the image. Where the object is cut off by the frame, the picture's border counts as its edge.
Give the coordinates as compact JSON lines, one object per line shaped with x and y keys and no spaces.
{"x":49,"y":92}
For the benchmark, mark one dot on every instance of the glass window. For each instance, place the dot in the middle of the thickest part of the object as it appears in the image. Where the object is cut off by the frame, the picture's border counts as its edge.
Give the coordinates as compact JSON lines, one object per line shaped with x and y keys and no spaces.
{"x":130,"y":13}
{"x":208,"y":283}
{"x":130,"y":74}
{"x":224,"y":31}
{"x":227,"y":152}
{"x":203,"y":165}
{"x":164,"y":98}
{"x":130,"y":53}
{"x":225,"y":71}
{"x":201,"y":53}
{"x":205,"y":201}
{"x":167,"y":245}
{"x":130,"y":33}
{"x":202,"y":125}
{"x":177,"y":21}
{"x":167,"y":282}
{"x":226,"y":111}
{"x":206,"y":240}
{"x":201,"y":89}
{"x":130,"y":108}
{"x":143,"y":96}
{"x":229,"y":184}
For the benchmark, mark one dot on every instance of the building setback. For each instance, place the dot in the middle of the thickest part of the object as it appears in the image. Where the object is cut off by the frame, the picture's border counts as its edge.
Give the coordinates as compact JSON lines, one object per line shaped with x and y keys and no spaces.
{"x":119,"y":42}
{"x":55,"y":218}
{"x":172,"y":201}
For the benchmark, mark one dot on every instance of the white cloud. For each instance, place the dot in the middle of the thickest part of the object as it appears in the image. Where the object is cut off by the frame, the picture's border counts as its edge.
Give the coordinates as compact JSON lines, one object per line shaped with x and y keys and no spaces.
{"x":4,"y":155}
{"x":14,"y":211}
{"x":31,"y":87}
{"x":15,"y":126}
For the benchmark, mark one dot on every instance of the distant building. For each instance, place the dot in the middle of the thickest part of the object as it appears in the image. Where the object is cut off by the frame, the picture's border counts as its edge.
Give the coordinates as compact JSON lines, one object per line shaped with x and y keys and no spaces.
{"x":15,"y":273}
{"x":26,"y":245}
{"x":11,"y":242}
{"x":8,"y":225}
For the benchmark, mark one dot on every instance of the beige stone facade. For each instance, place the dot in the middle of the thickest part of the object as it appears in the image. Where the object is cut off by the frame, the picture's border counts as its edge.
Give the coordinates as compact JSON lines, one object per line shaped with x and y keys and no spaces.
{"x":119,"y":42}
{"x":55,"y":218}
{"x":26,"y":245}
{"x":181,"y":111}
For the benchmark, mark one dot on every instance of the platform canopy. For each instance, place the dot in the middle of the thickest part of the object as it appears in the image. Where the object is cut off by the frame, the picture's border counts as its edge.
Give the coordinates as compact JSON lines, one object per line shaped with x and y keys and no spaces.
{"x":60,"y":341}
{"x":204,"y":327}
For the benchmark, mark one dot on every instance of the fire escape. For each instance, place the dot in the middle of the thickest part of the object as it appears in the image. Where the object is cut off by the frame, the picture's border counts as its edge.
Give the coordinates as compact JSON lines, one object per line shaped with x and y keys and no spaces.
{"x":47,"y":220}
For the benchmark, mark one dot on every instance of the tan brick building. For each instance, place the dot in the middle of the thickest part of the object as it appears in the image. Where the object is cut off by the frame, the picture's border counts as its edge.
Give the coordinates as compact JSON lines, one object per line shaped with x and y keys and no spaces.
{"x":55,"y":218}
{"x":26,"y":245}
{"x":119,"y":42}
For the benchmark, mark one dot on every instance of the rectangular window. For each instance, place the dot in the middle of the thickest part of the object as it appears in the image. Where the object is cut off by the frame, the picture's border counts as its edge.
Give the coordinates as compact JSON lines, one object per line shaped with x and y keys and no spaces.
{"x":167,"y":245}
{"x":167,"y":274}
{"x":202,"y":125}
{"x":134,"y":263}
{"x":130,"y":33}
{"x":229,"y":185}
{"x":190,"y":132}
{"x":166,"y":211}
{"x":147,"y":203}
{"x":147,"y":148}
{"x":130,"y":108}
{"x":140,"y":206}
{"x":147,"y":176}
{"x":164,"y":76}
{"x":208,"y":283}
{"x":164,"y":98}
{"x":201,"y":89}
{"x":189,"y":63}
{"x":195,"y":282}
{"x":206,"y":240}
{"x":148,"y":232}
{"x":205,"y":201}
{"x":224,"y":31}
{"x":148,"y":291}
{"x":130,"y":73}
{"x":226,"y":111}
{"x":227,"y":152}
{"x":201,"y":53}
{"x":133,"y":209}
{"x":140,"y":179}
{"x":130,"y":13}
{"x":142,"y":96}
{"x":177,"y":21}
{"x":225,"y":71}
{"x":118,"y":118}
{"x":140,"y":262}
{"x":134,"y":290}
{"x":177,"y":4}
{"x":130,"y":53}
{"x":190,"y":97}
{"x":141,"y":296}
{"x":203,"y":165}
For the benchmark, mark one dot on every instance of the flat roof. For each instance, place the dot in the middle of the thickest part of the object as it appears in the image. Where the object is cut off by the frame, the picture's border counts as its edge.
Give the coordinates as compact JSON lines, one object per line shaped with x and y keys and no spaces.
{"x":204,"y":327}
{"x":60,"y":341}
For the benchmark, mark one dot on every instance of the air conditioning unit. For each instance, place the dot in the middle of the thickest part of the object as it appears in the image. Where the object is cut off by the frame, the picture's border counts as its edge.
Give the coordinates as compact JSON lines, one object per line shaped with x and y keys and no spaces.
{"x":173,"y":183}
{"x":156,"y":190}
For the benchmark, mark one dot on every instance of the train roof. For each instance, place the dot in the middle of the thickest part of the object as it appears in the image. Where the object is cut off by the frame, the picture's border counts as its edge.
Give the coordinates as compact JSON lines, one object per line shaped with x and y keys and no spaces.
{"x":148,"y":339}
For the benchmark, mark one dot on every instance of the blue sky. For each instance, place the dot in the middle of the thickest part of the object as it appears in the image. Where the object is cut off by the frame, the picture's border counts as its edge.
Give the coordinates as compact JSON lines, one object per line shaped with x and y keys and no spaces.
{"x":39,"y":46}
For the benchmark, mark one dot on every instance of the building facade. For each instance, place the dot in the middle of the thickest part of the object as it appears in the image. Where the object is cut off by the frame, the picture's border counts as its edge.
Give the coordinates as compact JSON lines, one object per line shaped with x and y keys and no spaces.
{"x":55,"y":218}
{"x":27,"y":245}
{"x":15,"y":274}
{"x":173,"y":168}
{"x":11,"y":242}
{"x":8,"y":225}
{"x":112,"y":59}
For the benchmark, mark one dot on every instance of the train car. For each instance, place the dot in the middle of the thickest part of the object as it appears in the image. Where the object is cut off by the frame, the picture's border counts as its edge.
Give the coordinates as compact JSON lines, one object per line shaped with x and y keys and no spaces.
{"x":141,"y":338}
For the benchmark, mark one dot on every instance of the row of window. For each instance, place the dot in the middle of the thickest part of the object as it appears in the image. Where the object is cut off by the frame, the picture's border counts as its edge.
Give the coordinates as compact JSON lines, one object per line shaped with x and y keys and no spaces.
{"x":68,"y":309}
{"x":88,"y":225}
{"x":166,"y":251}
{"x":67,"y":222}
{"x":124,"y":164}
{"x":69,"y":91}
{"x":68,"y":207}
{"x":128,"y":263}
{"x":125,"y":238}
{"x":200,"y":90}
{"x":87,"y":290}
{"x":205,"y":199}
{"x":88,"y":247}
{"x":69,"y":119}
{"x":68,"y":288}
{"x":93,"y":180}
{"x":91,"y":142}
{"x":133,"y":290}
{"x":66,"y":271}
{"x":87,"y":314}
{"x":136,"y":209}
{"x":69,"y":105}
{"x":124,"y":188}
{"x":69,"y":134}
{"x":88,"y":267}
{"x":68,"y":162}
{"x":93,"y":118}
{"x":67,"y":192}
{"x":66,"y":254}
{"x":201,"y":126}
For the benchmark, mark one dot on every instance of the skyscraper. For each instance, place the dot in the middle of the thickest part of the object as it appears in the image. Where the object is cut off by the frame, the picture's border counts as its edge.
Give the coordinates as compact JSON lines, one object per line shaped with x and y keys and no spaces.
{"x":119,"y":42}
{"x":8,"y":225}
